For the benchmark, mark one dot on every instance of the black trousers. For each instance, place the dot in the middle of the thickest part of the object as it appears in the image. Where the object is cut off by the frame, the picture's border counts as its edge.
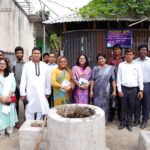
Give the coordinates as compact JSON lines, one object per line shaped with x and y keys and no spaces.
{"x":17,"y":103}
{"x":144,"y":104}
{"x":113,"y":110}
{"x":128,"y":104}
{"x":50,"y":99}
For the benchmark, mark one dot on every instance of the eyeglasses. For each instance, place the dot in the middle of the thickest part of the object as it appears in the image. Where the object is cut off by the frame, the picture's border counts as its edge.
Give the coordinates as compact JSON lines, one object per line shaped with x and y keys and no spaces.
{"x":63,"y":62}
{"x":2,"y":64}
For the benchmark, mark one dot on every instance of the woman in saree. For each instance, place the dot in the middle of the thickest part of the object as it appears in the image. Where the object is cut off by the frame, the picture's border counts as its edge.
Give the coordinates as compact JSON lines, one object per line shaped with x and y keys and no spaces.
{"x":82,"y":75}
{"x":103,"y":78}
{"x":8,"y":115}
{"x":62,"y":82}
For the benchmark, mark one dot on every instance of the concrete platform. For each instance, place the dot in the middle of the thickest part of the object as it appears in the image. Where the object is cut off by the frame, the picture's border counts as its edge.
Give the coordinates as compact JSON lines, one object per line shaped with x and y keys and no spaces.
{"x":144,"y":140}
{"x":28,"y":136}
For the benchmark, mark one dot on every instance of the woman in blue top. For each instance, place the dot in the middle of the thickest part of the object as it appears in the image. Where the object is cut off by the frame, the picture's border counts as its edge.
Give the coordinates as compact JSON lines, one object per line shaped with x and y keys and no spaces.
{"x":8,"y":115}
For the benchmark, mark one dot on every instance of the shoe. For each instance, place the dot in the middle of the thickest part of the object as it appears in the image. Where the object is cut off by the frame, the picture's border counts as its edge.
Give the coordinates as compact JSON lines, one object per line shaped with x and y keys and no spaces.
{"x":17,"y":125}
{"x":11,"y":135}
{"x":111,"y":119}
{"x":143,"y":125}
{"x":129,"y":127}
{"x":121,"y":126}
{"x":136,"y":123}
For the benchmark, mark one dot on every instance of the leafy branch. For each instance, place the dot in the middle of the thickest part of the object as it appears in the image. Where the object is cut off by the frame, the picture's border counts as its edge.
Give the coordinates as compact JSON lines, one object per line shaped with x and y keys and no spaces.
{"x":55,"y":43}
{"x":114,"y":8}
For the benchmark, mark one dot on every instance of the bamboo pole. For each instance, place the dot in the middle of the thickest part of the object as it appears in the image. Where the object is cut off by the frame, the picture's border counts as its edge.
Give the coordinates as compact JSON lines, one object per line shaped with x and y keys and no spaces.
{"x":41,"y":133}
{"x":139,"y":21}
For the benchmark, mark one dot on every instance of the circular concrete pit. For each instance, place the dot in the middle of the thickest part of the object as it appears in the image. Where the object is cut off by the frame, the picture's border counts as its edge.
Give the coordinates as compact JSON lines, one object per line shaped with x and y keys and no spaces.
{"x":76,"y":127}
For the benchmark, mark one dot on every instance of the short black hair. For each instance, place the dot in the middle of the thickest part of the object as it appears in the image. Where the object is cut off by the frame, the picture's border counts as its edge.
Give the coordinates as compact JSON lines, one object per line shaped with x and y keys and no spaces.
{"x":100,"y":54}
{"x":37,"y":48}
{"x":7,"y":69}
{"x":142,"y":46}
{"x":2,"y":52}
{"x":19,"y":48}
{"x":86,"y":63}
{"x":45,"y":54}
{"x":128,"y":51}
{"x":117,"y":46}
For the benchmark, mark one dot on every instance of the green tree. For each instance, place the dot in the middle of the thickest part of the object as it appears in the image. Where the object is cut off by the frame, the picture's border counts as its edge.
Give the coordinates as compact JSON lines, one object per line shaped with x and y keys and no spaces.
{"x":114,"y":8}
{"x":55,"y":43}
{"x":46,"y":14}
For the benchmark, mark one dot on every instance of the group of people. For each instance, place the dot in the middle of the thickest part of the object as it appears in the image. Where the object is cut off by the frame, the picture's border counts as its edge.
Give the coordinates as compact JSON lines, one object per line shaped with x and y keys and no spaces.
{"x":44,"y":84}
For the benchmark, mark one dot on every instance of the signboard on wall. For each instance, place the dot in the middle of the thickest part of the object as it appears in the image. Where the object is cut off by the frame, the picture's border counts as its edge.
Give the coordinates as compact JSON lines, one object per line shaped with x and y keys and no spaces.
{"x":119,"y":36}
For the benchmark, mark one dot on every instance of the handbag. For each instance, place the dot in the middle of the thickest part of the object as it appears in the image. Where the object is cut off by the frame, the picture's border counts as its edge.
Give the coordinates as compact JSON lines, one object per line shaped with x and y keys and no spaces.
{"x":13,"y":99}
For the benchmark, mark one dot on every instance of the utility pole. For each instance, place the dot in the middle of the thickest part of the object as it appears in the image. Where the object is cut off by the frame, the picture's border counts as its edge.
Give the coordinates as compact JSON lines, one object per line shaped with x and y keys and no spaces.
{"x":43,"y":18}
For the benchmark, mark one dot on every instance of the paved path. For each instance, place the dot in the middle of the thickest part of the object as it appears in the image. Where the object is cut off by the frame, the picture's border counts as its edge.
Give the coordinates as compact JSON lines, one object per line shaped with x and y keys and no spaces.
{"x":115,"y":139}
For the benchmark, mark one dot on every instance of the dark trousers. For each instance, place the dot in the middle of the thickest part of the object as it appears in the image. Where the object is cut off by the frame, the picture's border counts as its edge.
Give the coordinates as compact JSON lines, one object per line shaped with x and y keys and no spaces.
{"x":50,"y":99}
{"x":112,"y":110}
{"x":144,"y":104}
{"x":128,"y":104}
{"x":17,"y":103}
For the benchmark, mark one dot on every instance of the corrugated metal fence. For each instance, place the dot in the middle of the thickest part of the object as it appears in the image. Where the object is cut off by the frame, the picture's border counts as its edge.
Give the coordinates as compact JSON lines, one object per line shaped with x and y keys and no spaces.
{"x":92,"y":42}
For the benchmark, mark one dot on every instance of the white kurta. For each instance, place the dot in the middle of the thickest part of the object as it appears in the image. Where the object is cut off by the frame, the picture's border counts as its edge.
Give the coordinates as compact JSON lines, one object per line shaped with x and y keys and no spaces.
{"x":35,"y":88}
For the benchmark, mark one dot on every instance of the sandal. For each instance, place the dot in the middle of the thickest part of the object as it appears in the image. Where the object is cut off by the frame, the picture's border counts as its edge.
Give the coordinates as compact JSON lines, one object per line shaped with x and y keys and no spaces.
{"x":2,"y":136}
{"x":11,"y":135}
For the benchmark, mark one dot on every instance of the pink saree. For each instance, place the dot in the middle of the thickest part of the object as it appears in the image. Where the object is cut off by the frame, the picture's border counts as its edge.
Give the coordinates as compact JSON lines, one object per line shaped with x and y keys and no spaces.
{"x":80,"y":96}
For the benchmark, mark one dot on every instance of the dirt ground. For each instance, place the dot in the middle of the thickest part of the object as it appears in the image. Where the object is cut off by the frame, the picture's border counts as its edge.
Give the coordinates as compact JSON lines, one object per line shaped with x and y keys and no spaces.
{"x":115,"y":139}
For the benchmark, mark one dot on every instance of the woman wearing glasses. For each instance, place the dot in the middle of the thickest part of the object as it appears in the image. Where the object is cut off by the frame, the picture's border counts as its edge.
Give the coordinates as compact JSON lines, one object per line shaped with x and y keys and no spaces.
{"x":8,"y":115}
{"x":62,"y":82}
{"x":103,"y":76}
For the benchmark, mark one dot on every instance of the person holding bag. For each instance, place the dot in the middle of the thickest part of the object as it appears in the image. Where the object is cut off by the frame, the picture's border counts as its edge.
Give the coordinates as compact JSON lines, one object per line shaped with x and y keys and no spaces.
{"x":8,"y":115}
{"x":62,"y":82}
{"x":82,"y":73}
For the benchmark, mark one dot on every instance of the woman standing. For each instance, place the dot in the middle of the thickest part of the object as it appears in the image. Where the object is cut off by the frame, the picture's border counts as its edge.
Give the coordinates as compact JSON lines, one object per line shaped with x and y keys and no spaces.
{"x":82,"y":74}
{"x":62,"y":82}
{"x":102,"y":77}
{"x":8,"y":115}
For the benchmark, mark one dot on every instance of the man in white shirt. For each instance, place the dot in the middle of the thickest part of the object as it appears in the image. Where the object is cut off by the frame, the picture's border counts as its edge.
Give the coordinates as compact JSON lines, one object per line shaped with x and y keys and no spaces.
{"x":52,"y":65}
{"x":52,"y":61}
{"x":129,"y":79}
{"x":144,"y":62}
{"x":35,"y":86}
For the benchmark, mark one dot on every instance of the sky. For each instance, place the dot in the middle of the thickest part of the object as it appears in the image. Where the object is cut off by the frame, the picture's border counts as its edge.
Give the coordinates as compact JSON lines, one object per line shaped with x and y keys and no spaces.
{"x":58,"y":9}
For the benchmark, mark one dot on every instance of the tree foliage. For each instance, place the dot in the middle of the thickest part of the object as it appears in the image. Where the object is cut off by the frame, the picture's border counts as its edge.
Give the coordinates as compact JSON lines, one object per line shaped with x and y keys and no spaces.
{"x":55,"y":43}
{"x":46,"y":14}
{"x":113,"y":8}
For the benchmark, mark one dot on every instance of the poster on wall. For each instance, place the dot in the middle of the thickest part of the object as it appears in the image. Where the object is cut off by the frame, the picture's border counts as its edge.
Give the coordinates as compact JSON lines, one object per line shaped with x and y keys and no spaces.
{"x":119,"y":36}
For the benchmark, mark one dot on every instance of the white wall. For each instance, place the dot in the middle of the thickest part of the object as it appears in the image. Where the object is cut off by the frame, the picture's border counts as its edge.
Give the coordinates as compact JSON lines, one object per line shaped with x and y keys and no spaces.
{"x":15,"y":28}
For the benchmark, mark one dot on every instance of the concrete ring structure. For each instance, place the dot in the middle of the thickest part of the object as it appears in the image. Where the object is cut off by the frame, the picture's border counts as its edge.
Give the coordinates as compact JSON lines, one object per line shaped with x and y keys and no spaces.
{"x":86,"y":133}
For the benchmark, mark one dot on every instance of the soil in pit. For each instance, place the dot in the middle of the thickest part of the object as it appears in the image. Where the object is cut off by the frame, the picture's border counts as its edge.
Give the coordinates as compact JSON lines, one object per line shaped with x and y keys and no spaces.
{"x":75,"y":112}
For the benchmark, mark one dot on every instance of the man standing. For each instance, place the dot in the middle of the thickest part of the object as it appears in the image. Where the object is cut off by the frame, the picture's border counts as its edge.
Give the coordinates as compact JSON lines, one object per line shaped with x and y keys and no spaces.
{"x":129,"y":79}
{"x":52,"y":65}
{"x":115,"y":61}
{"x":52,"y":61}
{"x":117,"y":58}
{"x":144,"y":62}
{"x":17,"y":69}
{"x":46,"y":58}
{"x":35,"y":86}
